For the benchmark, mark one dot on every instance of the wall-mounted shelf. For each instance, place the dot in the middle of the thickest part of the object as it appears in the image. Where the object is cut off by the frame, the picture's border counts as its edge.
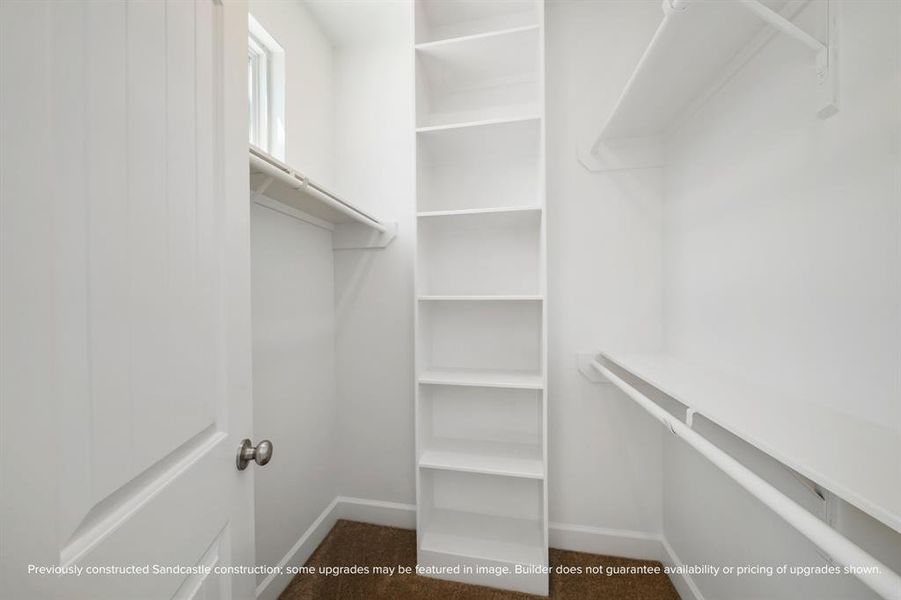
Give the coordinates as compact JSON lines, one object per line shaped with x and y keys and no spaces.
{"x":303,"y":198}
{"x":696,"y":49}
{"x":858,"y":461}
{"x":853,"y":459}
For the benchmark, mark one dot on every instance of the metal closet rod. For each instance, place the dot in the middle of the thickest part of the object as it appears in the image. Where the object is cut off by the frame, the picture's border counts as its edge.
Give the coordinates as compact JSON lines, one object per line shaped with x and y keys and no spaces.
{"x":287,"y":176}
{"x":883,"y":581}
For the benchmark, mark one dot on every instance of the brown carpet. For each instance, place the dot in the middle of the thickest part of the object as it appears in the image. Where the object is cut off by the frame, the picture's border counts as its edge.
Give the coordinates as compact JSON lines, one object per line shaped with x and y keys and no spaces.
{"x":351,"y":543}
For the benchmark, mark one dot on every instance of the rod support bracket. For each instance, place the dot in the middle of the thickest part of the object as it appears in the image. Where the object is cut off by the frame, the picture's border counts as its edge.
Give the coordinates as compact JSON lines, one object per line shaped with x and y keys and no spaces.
{"x":584,"y":364}
{"x":356,"y":236}
{"x":690,"y":416}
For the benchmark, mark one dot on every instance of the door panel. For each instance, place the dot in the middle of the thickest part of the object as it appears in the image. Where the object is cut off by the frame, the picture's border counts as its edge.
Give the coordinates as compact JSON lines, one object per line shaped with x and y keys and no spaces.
{"x":125,"y":314}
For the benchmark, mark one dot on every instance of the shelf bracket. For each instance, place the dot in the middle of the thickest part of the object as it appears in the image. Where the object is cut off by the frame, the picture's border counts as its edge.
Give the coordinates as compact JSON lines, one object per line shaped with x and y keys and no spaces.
{"x":357,"y":236}
{"x":583,"y":361}
{"x":261,"y":189}
{"x":622,"y":154}
{"x":826,"y":53}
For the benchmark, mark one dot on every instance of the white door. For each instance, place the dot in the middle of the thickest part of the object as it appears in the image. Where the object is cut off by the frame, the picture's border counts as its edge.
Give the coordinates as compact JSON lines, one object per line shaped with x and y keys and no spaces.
{"x":125,"y":298}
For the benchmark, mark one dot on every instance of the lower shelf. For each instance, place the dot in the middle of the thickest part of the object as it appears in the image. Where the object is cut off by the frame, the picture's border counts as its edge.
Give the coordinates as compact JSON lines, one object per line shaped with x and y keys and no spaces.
{"x":482,"y":378}
{"x":488,"y":537}
{"x":493,"y":458}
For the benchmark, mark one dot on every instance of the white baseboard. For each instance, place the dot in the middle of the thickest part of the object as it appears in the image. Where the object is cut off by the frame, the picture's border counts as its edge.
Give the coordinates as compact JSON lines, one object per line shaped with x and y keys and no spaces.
{"x":641,"y":545}
{"x":377,"y":512}
{"x":274,"y":584}
{"x":684,"y":584}
{"x":565,"y":536}
{"x":598,"y":540}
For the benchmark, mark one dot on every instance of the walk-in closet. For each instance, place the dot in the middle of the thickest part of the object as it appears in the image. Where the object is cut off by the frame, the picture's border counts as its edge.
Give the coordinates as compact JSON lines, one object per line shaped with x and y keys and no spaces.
{"x":470,"y":299}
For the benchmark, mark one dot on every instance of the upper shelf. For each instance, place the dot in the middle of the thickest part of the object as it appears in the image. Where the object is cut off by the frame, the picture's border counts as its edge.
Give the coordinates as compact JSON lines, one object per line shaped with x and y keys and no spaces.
{"x":856,"y":460}
{"x":483,"y":77}
{"x":441,"y":20}
{"x":694,"y":50}
{"x":275,"y":179}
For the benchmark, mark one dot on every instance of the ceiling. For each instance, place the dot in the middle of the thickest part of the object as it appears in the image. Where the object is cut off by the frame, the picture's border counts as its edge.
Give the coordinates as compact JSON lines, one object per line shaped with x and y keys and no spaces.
{"x":352,"y":22}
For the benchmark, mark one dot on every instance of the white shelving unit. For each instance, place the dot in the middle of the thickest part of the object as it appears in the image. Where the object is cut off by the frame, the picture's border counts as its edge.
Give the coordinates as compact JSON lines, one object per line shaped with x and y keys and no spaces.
{"x":858,"y":461}
{"x":475,"y":78}
{"x":480,"y":283}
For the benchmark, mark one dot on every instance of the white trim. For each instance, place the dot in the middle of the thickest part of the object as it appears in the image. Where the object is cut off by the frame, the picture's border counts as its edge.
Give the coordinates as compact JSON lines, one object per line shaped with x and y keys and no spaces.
{"x":641,"y":545}
{"x":625,"y":543}
{"x":377,"y":512}
{"x":274,"y":584}
{"x":272,"y":88}
{"x":684,"y":584}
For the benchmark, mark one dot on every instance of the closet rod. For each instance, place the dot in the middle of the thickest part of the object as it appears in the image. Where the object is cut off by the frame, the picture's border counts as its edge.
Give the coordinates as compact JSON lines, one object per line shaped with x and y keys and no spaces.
{"x":883,"y":581}
{"x":298,"y":182}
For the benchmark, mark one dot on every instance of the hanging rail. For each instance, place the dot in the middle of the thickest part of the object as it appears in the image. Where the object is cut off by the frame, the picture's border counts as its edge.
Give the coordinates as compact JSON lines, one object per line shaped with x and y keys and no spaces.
{"x":876,"y":575}
{"x":291,"y":178}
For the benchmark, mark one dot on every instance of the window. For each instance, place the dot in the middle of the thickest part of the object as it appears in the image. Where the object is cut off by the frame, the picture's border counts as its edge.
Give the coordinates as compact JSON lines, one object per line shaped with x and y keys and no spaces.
{"x":265,"y":90}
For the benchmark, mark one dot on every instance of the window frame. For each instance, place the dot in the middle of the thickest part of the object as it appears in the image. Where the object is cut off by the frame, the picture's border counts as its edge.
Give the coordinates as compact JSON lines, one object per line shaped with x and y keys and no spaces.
{"x":266,"y":90}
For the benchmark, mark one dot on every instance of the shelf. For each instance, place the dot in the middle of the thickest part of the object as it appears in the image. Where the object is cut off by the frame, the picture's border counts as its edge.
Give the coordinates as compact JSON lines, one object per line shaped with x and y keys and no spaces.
{"x":475,"y":37}
{"x":477,"y":211}
{"x":441,"y":20}
{"x":485,"y":77}
{"x":491,"y":458}
{"x":480,"y":166}
{"x":476,"y":125}
{"x":499,"y":298}
{"x":692,"y":51}
{"x":856,"y":460}
{"x":483,"y":378}
{"x":480,"y":253}
{"x":504,"y":336}
{"x":482,"y":536}
{"x":276,"y":180}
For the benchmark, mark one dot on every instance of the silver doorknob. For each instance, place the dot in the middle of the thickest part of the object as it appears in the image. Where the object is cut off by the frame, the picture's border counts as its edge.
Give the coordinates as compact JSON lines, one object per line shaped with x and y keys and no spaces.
{"x":261,"y":455}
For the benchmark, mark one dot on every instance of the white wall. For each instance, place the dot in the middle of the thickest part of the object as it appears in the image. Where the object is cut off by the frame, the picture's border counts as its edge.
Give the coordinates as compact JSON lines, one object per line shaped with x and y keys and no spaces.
{"x":309,"y":83}
{"x":295,"y":397}
{"x":604,"y":274}
{"x":783,"y":230}
{"x":293,"y":377}
{"x":783,"y":257}
{"x":374,"y":288}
